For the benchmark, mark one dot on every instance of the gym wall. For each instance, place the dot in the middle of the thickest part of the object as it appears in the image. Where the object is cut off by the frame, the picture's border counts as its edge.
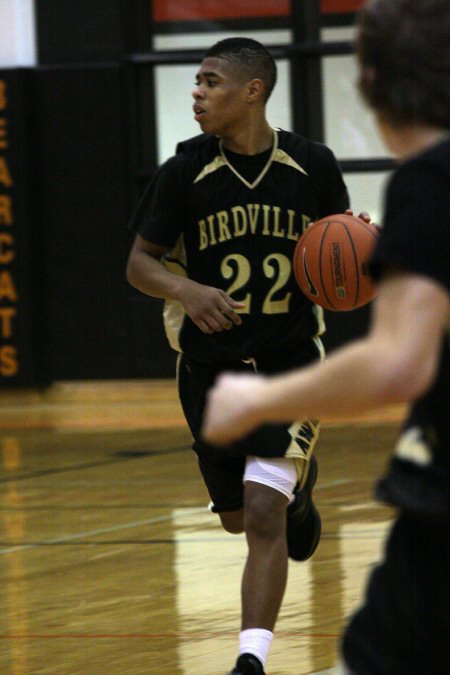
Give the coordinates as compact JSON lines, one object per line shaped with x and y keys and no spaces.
{"x":84,"y":127}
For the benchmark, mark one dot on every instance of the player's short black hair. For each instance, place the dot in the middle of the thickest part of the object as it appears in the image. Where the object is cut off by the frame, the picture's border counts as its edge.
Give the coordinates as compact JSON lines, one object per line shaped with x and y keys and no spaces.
{"x":404,"y":59}
{"x":250,"y":57}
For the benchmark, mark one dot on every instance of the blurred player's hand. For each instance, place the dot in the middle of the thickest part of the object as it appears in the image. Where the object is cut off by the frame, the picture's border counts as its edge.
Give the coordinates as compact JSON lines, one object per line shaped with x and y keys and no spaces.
{"x":231,"y":410}
{"x":365,"y":217}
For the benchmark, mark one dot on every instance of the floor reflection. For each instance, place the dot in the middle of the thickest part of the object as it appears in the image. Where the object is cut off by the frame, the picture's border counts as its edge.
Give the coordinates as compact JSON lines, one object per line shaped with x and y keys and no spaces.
{"x":111,"y":562}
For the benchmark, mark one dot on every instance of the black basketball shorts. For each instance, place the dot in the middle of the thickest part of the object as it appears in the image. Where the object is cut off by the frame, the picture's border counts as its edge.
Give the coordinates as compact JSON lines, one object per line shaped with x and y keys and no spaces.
{"x":223,"y":468}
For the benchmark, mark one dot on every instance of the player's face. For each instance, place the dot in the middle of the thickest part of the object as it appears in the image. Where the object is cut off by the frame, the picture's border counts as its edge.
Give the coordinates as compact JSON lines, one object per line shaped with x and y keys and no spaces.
{"x":219,"y":98}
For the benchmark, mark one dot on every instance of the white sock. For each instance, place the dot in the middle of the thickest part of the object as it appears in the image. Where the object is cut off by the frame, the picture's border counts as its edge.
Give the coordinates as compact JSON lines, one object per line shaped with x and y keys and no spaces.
{"x":255,"y":641}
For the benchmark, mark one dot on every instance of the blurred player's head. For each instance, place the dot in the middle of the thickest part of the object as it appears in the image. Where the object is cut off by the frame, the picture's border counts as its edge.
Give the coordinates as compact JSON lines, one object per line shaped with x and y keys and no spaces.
{"x":404,"y":58}
{"x":247,"y":57}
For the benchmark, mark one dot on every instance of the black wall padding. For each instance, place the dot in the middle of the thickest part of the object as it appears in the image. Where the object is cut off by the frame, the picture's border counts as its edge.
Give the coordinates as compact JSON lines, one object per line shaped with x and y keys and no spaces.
{"x":78,"y":31}
{"x":92,"y":314}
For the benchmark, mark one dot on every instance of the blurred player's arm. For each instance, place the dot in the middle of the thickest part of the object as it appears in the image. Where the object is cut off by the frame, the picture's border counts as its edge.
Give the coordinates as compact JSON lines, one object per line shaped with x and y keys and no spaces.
{"x":211,"y":309}
{"x":396,"y":362}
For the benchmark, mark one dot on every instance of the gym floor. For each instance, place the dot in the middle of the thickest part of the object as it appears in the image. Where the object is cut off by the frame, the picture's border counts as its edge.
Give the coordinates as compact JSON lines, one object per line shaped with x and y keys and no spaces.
{"x":111,"y":563}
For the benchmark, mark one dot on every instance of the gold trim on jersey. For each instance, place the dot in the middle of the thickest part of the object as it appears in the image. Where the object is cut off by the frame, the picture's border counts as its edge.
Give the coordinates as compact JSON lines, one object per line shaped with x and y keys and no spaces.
{"x":304,"y":437}
{"x":318,"y":313}
{"x":413,"y":447}
{"x":173,"y":313}
{"x":282,"y":157}
{"x":259,"y":178}
{"x":304,"y":434}
{"x":217,"y":163}
{"x":277,"y":155}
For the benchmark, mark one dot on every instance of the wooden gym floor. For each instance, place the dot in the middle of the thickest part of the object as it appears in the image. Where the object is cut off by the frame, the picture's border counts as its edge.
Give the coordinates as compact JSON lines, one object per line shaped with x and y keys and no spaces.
{"x":111,"y":563}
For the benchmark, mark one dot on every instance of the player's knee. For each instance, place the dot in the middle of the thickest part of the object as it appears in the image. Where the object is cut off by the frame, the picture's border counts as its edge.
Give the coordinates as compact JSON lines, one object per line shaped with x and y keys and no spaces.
{"x":265,"y":513}
{"x":232,"y":521}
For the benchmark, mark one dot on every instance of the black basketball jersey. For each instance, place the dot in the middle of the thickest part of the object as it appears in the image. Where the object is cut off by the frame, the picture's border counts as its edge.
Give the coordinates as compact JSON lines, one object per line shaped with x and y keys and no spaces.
{"x":232,"y":222}
{"x":416,"y":237}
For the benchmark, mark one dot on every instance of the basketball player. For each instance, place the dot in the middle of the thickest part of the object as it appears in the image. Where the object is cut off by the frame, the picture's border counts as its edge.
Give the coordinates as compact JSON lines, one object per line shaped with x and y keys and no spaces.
{"x":403,"y":626}
{"x":216,"y":232}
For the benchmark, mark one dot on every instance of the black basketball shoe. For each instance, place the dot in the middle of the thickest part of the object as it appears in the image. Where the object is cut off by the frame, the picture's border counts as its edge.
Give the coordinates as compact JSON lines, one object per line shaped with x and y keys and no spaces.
{"x":303,"y":520}
{"x":247,"y":664}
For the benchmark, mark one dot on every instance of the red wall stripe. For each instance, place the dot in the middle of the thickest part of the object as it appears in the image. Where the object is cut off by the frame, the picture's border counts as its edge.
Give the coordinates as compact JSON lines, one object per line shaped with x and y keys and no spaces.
{"x":340,"y":6}
{"x":194,"y":10}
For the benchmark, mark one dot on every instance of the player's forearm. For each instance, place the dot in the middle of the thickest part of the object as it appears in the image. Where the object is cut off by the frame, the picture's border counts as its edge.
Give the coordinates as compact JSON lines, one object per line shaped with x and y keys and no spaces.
{"x":396,"y":362}
{"x":149,"y":276}
{"x":240,"y":403}
{"x":355,"y":379}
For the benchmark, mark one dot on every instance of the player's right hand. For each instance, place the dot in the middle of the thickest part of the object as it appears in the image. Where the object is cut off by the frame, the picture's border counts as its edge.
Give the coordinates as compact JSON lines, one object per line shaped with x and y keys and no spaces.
{"x":211,"y":309}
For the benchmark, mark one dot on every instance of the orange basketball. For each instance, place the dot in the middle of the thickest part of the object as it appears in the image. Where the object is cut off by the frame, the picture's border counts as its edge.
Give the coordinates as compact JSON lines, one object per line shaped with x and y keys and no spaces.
{"x":331,"y":262}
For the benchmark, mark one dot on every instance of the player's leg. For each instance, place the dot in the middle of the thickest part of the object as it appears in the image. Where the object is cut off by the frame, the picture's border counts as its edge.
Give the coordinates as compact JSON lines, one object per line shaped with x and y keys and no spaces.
{"x":268,"y":489}
{"x":304,"y":525}
{"x":297,"y":442}
{"x":222,"y":475}
{"x":269,"y":483}
{"x":265,"y":571}
{"x":264,"y":516}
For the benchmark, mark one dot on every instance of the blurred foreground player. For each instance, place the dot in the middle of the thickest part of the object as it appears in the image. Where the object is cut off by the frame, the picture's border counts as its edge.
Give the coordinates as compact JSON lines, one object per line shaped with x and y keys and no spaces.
{"x":216,"y":233}
{"x":403,"y":626}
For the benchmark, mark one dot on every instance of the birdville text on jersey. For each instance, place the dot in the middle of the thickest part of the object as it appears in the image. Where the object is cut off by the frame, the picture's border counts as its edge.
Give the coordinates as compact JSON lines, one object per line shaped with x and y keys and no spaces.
{"x":255,"y":219}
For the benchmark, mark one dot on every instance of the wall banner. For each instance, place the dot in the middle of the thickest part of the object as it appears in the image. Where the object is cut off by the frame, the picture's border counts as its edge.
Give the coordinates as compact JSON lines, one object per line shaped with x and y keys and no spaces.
{"x":19,"y":310}
{"x":193,"y":10}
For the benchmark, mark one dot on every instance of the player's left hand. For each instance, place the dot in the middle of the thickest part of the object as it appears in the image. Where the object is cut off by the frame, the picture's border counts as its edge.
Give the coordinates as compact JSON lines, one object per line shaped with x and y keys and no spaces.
{"x":364,"y":216}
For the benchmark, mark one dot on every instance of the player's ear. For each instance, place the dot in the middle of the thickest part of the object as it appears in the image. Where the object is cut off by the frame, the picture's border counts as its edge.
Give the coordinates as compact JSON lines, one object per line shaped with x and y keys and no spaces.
{"x":255,"y":89}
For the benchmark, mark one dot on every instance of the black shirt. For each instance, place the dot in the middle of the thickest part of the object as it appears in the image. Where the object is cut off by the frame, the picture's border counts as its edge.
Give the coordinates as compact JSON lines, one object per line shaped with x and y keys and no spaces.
{"x":232,"y":222}
{"x":416,"y":237}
